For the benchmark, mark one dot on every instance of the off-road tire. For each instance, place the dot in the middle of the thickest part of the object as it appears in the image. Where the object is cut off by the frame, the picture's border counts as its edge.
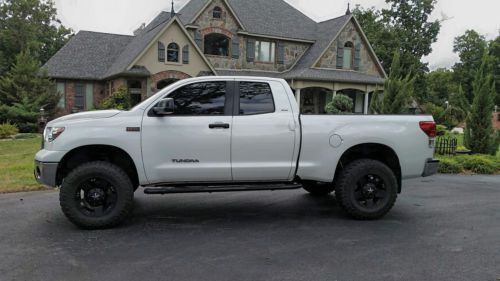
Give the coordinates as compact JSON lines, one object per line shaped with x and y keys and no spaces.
{"x":112,"y":173}
{"x":347,"y":184}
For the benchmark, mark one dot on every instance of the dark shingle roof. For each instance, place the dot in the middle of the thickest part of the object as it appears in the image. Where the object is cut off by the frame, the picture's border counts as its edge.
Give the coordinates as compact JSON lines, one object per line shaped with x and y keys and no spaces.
{"x":138,"y":44}
{"x":332,"y":75}
{"x":88,"y":55}
{"x":228,"y":72}
{"x":264,"y":17}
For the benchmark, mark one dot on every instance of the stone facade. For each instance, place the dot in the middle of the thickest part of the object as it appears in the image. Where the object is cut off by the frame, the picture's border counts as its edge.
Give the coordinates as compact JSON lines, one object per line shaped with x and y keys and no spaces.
{"x":350,"y":34}
{"x":228,"y":26}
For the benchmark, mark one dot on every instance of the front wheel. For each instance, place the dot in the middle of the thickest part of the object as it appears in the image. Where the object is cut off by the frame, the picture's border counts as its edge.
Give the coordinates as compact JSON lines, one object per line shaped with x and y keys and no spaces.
{"x":96,"y":195}
{"x":367,"y":189}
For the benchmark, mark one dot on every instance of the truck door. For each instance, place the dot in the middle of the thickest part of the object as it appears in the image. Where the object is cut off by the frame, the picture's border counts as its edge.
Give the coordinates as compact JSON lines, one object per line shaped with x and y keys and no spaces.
{"x":263,"y":137}
{"x":192,"y":144}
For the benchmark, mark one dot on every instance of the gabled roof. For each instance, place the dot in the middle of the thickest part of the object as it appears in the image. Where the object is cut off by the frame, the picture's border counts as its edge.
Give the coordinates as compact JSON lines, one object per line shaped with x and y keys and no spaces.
{"x":261,"y":17}
{"x":87,"y":55}
{"x":138,"y":44}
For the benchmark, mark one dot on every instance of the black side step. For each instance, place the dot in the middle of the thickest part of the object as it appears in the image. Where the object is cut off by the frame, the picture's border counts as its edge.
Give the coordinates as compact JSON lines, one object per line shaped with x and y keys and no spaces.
{"x":219,"y":188}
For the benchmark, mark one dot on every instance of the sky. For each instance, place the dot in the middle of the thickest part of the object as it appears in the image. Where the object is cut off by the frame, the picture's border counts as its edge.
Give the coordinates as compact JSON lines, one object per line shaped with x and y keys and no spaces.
{"x":124,"y":16}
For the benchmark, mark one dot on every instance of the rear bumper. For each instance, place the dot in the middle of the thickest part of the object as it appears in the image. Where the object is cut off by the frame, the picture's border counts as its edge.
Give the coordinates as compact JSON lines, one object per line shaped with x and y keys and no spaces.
{"x":431,"y":168}
{"x":45,"y":173}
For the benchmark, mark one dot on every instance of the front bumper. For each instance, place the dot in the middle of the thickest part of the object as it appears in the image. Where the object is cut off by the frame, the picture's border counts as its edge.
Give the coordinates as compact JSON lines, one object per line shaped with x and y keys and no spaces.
{"x":46,"y":173}
{"x":431,"y":168}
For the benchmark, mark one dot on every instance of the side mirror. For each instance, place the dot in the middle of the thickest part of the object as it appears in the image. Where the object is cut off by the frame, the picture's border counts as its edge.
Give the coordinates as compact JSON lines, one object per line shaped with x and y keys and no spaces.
{"x":164,"y":107}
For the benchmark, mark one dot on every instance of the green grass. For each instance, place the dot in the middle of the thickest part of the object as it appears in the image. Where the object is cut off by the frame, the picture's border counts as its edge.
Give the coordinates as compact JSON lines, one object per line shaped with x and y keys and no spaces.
{"x":16,"y":165}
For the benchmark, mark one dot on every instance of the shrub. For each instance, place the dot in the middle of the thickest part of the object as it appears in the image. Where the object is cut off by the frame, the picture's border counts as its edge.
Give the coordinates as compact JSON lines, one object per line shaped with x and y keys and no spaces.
{"x":450,"y":166}
{"x":119,"y":99}
{"x":441,"y":130}
{"x":480,"y":164}
{"x":8,"y":130}
{"x":340,"y":104}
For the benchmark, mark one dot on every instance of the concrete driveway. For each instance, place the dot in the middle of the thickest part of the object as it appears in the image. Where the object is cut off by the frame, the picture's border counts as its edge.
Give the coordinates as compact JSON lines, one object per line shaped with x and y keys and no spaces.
{"x":442,"y":228}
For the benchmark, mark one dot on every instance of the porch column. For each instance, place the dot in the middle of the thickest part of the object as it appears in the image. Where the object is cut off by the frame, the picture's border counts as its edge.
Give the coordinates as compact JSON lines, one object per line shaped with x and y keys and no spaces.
{"x":367,"y":100}
{"x":334,"y":93}
{"x":297,"y":96}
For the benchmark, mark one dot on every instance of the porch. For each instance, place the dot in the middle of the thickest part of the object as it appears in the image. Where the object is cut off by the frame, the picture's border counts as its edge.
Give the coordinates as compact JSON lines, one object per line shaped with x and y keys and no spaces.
{"x":313,"y":96}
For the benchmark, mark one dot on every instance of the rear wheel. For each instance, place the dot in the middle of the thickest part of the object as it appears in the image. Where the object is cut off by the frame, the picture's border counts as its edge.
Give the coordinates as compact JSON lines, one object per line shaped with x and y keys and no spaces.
{"x":318,"y":189}
{"x":96,"y":195}
{"x":367,"y":189}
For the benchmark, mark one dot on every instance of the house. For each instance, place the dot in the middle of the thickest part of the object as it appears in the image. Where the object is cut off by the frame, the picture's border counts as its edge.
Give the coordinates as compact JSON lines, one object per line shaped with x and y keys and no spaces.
{"x":227,"y":38}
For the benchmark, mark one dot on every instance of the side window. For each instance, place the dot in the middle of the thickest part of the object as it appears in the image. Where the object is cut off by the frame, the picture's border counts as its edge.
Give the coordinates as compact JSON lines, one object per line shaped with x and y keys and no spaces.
{"x":79,"y":96}
{"x":207,"y":98}
{"x":256,"y":98}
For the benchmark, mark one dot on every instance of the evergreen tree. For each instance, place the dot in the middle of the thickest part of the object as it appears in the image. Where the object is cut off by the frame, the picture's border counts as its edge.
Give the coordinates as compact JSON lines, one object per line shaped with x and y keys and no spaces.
{"x":479,"y":134}
{"x":29,"y":24}
{"x":24,"y":90}
{"x":398,"y":91}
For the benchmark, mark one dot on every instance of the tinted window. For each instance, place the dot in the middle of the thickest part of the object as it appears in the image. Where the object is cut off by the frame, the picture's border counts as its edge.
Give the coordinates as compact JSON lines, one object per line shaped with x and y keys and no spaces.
{"x":255,"y":98}
{"x":206,"y":98}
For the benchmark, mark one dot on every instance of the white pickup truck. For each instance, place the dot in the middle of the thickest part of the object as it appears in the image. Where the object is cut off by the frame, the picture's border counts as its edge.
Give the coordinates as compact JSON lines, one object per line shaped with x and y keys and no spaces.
{"x":215,"y":134}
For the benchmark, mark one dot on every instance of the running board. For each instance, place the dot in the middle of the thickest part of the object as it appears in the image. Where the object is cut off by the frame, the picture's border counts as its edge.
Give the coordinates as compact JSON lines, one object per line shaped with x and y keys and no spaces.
{"x":219,"y":188}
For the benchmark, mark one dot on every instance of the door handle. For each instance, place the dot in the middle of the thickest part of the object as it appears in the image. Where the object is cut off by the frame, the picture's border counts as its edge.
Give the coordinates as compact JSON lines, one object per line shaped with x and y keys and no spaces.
{"x":218,"y":126}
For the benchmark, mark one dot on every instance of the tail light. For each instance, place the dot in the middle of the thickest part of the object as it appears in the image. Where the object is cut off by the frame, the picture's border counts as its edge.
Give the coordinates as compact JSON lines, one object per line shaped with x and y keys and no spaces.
{"x":429,"y":128}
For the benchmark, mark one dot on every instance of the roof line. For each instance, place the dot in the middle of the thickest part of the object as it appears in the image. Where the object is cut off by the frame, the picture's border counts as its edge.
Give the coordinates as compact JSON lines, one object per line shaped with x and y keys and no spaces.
{"x":372,"y":52}
{"x":109,"y":33}
{"x":281,"y":38}
{"x":172,"y":20}
{"x":206,"y":6}
{"x":333,"y":40}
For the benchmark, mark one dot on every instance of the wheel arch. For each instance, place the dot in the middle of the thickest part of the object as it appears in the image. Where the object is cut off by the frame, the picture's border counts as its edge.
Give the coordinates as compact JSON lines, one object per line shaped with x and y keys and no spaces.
{"x":90,"y":153}
{"x":374,"y":151}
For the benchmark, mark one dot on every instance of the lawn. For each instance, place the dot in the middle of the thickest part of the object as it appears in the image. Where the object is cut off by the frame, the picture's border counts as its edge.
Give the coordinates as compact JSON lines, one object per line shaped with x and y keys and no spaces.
{"x":16,"y":165}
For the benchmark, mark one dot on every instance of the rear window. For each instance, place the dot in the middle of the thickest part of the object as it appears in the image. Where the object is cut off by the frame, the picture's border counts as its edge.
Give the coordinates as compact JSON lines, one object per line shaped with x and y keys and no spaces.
{"x":256,"y":98}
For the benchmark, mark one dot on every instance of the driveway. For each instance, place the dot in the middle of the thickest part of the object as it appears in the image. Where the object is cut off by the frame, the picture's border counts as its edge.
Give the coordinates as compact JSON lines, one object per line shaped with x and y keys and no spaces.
{"x":442,"y":228}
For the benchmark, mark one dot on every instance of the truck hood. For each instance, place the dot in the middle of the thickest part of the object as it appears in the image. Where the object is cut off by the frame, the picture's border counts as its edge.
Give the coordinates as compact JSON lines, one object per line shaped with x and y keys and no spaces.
{"x":88,"y":115}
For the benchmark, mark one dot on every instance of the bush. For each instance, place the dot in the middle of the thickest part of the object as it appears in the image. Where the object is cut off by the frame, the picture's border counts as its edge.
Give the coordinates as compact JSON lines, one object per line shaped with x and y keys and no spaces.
{"x":450,"y":166}
{"x":480,"y":164}
{"x":8,"y":130}
{"x":119,"y":99}
{"x":340,"y":104}
{"x":441,"y":130}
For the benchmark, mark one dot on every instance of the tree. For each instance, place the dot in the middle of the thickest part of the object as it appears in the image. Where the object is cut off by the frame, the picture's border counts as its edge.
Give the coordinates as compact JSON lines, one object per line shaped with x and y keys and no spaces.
{"x":479,"y":134}
{"x":470,"y":47}
{"x":29,"y":25}
{"x":380,"y":35}
{"x":440,"y":86}
{"x":494,"y":50}
{"x":458,"y":99}
{"x":398,"y":90}
{"x":24,"y":90}
{"x":403,"y":27}
{"x":340,"y":104}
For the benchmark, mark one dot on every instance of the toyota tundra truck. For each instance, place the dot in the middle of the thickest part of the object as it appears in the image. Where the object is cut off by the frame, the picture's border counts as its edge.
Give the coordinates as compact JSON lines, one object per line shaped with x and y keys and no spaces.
{"x":220,"y":134}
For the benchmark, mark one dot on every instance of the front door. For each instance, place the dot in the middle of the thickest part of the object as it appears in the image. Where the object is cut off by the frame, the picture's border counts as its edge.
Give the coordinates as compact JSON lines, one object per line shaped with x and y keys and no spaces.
{"x":193,"y":144}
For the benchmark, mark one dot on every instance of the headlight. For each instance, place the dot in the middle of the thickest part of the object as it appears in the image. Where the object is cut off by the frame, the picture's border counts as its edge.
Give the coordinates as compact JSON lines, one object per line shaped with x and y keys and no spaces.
{"x":50,"y":134}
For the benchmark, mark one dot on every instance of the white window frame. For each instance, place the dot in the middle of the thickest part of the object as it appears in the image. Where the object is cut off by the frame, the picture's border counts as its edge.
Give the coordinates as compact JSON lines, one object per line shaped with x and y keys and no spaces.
{"x":271,"y":51}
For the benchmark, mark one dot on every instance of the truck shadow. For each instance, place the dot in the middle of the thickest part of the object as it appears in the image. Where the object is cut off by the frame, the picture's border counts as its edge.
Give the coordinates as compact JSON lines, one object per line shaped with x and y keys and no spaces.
{"x":232,"y":208}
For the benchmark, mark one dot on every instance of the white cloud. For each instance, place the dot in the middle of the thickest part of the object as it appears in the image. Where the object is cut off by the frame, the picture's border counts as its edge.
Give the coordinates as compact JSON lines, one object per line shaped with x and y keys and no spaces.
{"x":123,"y":16}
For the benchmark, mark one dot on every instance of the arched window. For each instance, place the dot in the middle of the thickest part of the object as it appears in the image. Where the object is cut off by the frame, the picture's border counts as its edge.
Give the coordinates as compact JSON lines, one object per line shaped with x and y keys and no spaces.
{"x":161,"y":52}
{"x":348,"y":55}
{"x":173,"y":52}
{"x":216,"y":44}
{"x":164,"y":83}
{"x":217,"y":13}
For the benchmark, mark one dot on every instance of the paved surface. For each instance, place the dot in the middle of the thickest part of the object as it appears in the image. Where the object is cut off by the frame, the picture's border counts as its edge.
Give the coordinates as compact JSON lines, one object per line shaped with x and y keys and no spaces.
{"x":442,"y":228}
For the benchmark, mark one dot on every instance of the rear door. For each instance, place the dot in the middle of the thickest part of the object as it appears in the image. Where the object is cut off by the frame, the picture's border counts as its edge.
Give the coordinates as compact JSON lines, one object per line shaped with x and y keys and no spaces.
{"x":263,"y":132}
{"x":193,"y":144}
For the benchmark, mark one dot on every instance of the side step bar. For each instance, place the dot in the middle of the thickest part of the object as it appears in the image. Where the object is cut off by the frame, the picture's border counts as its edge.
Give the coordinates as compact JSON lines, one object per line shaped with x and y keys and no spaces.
{"x":219,"y":188}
